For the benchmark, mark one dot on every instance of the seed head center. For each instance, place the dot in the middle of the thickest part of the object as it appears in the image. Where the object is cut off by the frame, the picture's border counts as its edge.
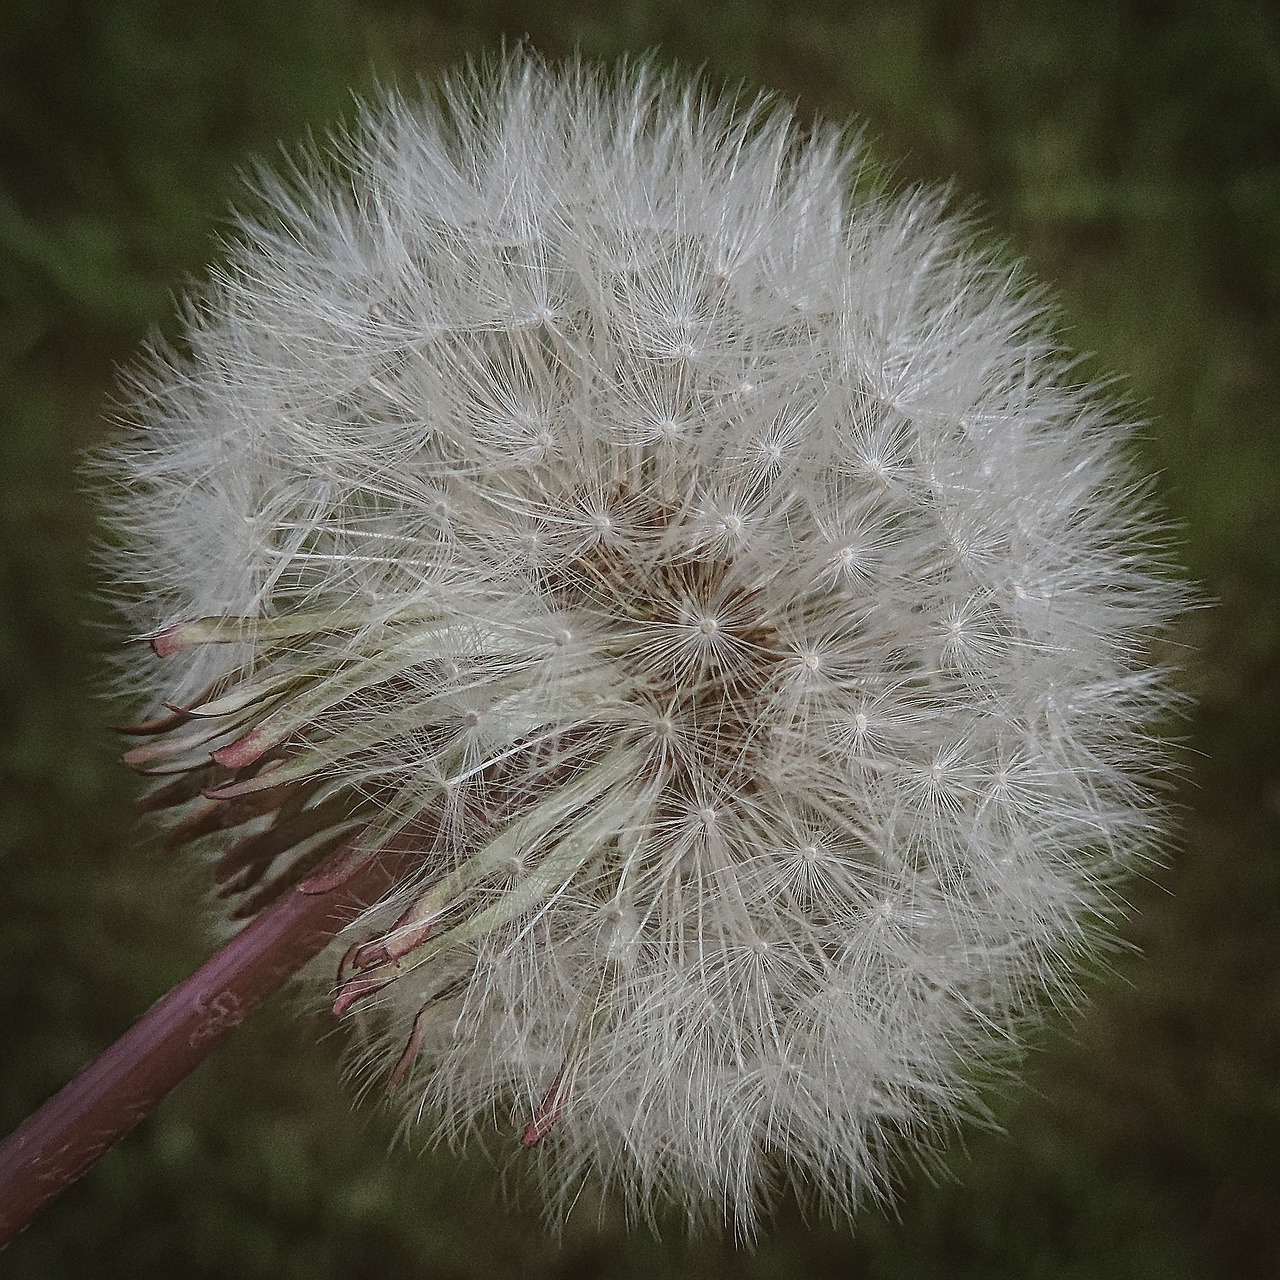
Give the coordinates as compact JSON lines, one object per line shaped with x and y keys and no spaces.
{"x":682,"y":635}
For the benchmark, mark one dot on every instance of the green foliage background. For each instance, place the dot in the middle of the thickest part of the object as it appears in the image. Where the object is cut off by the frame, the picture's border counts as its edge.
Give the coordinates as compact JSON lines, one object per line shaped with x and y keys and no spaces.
{"x":1130,"y":151}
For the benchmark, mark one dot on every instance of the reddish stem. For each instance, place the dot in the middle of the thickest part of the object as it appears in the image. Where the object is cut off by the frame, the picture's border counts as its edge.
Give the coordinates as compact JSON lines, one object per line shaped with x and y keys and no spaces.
{"x":57,"y":1143}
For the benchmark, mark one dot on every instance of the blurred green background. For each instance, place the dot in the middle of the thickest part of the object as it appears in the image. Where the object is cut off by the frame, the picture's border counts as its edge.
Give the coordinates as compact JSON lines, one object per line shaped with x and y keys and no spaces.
{"x":1130,"y":151}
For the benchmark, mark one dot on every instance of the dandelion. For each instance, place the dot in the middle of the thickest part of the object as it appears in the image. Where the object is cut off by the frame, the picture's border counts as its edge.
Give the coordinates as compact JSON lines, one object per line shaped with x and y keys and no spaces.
{"x":701,"y":575}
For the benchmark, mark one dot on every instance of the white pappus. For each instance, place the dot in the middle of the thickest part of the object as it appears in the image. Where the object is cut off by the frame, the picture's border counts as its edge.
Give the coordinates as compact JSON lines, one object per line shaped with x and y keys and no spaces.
{"x":705,"y":571}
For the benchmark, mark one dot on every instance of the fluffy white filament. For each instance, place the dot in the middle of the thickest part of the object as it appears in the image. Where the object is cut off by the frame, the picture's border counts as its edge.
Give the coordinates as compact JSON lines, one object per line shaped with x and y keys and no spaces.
{"x":712,"y":576}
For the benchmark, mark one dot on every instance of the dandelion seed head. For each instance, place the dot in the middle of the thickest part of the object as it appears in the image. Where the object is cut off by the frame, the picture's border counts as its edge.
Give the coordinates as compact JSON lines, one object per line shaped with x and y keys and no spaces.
{"x":706,"y":571}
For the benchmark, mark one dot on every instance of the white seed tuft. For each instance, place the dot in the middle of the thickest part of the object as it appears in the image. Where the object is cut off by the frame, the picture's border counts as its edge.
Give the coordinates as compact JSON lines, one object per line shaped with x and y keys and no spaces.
{"x":709,"y":574}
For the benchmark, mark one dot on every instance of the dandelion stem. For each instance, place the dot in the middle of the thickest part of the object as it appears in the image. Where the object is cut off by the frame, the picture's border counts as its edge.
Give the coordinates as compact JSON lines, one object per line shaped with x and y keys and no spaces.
{"x":57,"y":1143}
